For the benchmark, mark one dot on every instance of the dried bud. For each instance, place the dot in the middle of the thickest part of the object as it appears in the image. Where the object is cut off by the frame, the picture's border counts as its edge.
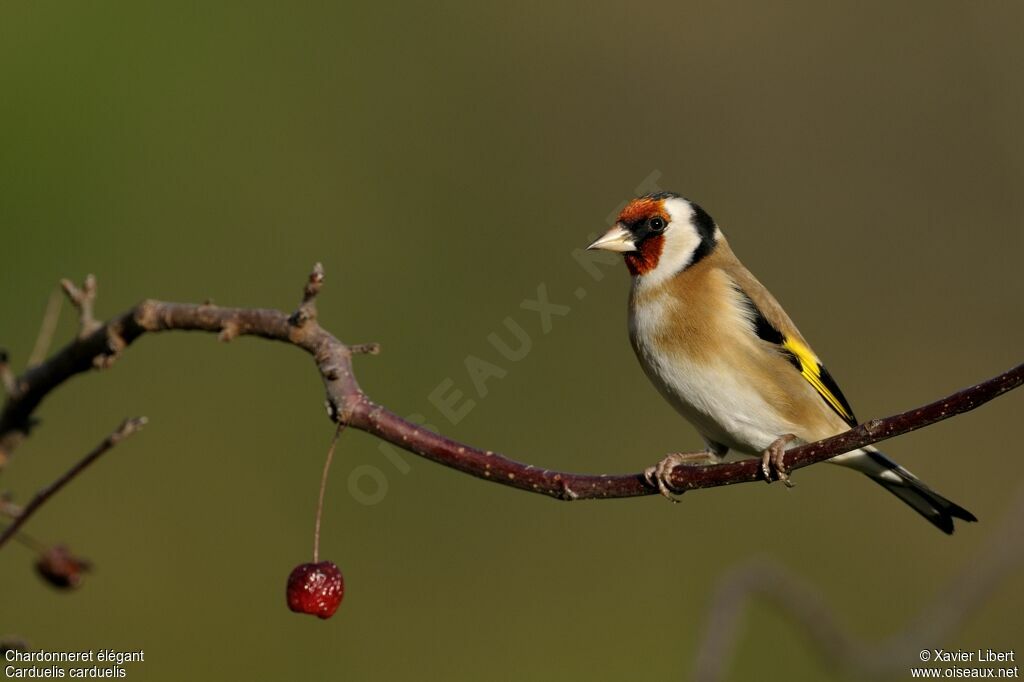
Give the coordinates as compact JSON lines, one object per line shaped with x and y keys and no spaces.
{"x":59,"y":567}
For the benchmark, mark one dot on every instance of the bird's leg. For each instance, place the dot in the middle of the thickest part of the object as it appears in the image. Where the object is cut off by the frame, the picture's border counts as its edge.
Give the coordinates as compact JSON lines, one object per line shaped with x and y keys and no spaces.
{"x":772,"y":460}
{"x":659,"y":474}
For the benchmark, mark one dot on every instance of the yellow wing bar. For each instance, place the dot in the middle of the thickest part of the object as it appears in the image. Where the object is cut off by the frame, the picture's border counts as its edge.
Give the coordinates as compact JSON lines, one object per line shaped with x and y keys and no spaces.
{"x":818,"y":377}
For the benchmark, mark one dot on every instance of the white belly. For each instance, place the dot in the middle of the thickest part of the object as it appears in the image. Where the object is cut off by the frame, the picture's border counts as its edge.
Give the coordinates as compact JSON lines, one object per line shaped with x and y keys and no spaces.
{"x":719,"y":402}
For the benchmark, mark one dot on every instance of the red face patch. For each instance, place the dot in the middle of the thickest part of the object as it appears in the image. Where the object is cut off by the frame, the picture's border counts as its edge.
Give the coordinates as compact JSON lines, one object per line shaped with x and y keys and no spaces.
{"x":641,"y":209}
{"x":645,"y":259}
{"x":636,"y":213}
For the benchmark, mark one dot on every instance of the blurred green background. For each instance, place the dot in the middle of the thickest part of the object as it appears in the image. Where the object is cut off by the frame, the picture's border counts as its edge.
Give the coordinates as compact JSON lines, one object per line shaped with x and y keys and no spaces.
{"x":443,"y":160}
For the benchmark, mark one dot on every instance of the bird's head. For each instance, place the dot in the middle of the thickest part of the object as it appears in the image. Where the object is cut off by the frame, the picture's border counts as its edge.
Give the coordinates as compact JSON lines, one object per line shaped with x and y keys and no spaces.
{"x":660,"y":235}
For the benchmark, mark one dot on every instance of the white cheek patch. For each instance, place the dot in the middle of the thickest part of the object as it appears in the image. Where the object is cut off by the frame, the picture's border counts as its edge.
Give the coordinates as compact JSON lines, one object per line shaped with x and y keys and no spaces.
{"x":681,"y":241}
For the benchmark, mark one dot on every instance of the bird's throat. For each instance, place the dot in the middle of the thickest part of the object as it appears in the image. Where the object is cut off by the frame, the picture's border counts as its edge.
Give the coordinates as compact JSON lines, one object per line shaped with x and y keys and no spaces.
{"x":645,"y":258}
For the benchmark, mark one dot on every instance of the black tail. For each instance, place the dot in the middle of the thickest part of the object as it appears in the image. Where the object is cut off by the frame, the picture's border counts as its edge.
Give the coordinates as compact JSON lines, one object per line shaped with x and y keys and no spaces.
{"x":909,"y":488}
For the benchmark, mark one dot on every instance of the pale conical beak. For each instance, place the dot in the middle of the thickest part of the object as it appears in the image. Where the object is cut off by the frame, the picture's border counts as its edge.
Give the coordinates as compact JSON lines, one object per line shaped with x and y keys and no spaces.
{"x":616,"y":239}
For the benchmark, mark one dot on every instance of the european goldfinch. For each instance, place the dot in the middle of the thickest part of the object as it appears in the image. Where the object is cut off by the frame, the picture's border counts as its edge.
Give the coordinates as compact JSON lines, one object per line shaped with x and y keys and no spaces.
{"x":719,"y":347}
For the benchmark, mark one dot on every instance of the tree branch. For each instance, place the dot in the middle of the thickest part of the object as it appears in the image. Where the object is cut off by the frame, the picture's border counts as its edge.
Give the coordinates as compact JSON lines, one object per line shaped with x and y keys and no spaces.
{"x":127,"y":428}
{"x":348,"y":404}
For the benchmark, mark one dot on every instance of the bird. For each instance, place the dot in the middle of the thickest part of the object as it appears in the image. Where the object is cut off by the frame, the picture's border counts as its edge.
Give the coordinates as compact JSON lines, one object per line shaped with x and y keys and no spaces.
{"x":721,"y":350}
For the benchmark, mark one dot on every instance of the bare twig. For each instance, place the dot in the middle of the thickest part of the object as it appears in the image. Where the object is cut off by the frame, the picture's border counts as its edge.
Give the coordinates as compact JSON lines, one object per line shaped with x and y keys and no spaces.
{"x":83,"y":299}
{"x":46,"y":329}
{"x":27,"y":540}
{"x":347,"y":402}
{"x":836,"y":645}
{"x":8,"y":508}
{"x":13,"y":511}
{"x":307,"y":309}
{"x":127,"y":428}
{"x":7,"y":380}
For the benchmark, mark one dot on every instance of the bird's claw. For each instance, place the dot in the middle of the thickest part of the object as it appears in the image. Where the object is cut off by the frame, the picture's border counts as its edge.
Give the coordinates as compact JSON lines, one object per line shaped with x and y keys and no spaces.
{"x":659,"y":476}
{"x":773,"y":460}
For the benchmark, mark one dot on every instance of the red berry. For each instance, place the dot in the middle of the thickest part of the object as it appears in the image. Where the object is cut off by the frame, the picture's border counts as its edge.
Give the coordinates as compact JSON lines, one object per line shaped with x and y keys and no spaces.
{"x":316,"y":589}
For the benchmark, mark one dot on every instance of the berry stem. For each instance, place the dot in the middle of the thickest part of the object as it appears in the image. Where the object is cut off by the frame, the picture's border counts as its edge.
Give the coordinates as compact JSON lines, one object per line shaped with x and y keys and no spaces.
{"x":323,"y":487}
{"x":28,"y":541}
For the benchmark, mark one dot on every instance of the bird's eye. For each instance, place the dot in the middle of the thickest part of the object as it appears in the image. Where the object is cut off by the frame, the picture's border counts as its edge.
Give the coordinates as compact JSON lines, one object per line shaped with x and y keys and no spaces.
{"x":656,"y":224}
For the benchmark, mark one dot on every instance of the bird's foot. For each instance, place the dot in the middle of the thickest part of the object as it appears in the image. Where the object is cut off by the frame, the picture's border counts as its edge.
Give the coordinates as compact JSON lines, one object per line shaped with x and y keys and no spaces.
{"x":659,"y":474}
{"x":772,"y":460}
